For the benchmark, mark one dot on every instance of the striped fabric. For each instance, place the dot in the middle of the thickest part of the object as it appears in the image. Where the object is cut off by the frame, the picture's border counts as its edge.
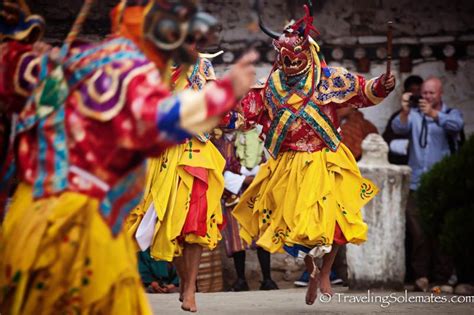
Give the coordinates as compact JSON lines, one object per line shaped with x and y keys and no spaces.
{"x":230,"y":234}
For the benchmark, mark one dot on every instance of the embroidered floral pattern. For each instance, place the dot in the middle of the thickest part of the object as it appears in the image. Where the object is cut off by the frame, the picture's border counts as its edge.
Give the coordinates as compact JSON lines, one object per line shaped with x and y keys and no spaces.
{"x":252,"y":201}
{"x":279,"y":236}
{"x":366,"y":191}
{"x":266,"y":216}
{"x":190,"y":150}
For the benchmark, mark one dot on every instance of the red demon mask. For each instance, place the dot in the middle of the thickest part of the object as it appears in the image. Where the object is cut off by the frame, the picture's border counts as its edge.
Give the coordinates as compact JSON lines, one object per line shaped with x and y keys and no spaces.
{"x":293,"y":46}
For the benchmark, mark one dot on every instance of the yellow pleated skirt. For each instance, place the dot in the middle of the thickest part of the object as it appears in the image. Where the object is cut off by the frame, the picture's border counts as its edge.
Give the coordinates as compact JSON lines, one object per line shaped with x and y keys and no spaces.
{"x":57,"y":256}
{"x":169,"y":187}
{"x":298,"y":197}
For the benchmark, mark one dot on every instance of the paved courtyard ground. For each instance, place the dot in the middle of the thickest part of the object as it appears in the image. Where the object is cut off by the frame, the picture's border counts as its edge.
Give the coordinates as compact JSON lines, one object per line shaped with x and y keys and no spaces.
{"x":291,"y":301}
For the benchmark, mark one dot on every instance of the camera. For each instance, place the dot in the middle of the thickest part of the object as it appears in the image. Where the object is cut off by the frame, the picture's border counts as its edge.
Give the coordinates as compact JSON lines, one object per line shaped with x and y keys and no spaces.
{"x":414,"y":101}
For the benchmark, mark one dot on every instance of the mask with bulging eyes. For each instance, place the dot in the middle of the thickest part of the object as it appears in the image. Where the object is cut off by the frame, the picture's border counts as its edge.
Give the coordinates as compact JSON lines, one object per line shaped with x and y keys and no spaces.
{"x":294,"y":55}
{"x":293,"y":45}
{"x":177,"y":27}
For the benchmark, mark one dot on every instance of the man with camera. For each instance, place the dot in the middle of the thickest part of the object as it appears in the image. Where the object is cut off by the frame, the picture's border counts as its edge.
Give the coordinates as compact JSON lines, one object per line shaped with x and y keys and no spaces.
{"x":398,"y":144}
{"x":431,"y":126}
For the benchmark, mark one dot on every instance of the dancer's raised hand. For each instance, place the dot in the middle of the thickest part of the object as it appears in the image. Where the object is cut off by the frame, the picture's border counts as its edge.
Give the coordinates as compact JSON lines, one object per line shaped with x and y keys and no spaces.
{"x":242,"y":73}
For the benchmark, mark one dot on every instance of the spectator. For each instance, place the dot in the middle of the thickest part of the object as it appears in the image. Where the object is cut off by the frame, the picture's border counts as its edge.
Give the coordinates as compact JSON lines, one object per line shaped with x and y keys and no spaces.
{"x":157,"y":276}
{"x":398,"y":144}
{"x":428,"y":124}
{"x":398,"y":153}
{"x":243,"y":151}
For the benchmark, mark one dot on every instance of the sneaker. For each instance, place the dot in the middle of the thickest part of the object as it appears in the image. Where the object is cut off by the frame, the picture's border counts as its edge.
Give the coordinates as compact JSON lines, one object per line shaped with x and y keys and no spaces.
{"x":464,"y":289}
{"x":337,"y":281}
{"x":453,"y":280}
{"x":303,"y":280}
{"x":422,"y":284}
{"x":268,"y":284}
{"x":334,"y":278}
{"x":446,"y":288}
{"x":240,"y":285}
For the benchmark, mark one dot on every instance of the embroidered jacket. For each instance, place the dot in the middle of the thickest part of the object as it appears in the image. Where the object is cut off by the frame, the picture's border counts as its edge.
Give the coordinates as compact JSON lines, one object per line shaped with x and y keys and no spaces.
{"x":303,"y":117}
{"x":89,"y":123}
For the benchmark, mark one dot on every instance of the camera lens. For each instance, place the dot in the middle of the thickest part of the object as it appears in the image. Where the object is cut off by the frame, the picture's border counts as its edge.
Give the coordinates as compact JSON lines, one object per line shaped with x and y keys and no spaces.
{"x":414,"y":101}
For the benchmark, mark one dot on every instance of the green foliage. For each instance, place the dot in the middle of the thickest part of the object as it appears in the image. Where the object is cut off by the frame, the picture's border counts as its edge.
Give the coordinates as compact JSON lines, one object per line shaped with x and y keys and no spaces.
{"x":446,"y":201}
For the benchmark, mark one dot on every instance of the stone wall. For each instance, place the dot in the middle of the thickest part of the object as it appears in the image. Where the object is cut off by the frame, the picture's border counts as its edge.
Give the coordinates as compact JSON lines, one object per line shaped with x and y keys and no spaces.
{"x":338,"y":21}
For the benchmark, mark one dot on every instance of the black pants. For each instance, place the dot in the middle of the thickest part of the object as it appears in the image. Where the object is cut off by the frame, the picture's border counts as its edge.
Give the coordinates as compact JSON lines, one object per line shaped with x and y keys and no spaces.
{"x":340,"y":264}
{"x":424,"y":255}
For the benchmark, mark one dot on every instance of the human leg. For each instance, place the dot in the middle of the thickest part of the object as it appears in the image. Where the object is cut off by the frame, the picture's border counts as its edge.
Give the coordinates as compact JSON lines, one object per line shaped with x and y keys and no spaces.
{"x":264,"y":260}
{"x":192,"y":257}
{"x":340,"y":266}
{"x":420,"y":246}
{"x":239,"y":262}
{"x":313,"y":271}
{"x":328,"y":260}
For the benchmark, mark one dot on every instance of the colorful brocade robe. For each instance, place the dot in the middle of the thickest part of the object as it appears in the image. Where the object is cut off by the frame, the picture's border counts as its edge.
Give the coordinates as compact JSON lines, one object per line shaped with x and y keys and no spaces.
{"x":90,"y":122}
{"x":303,"y":117}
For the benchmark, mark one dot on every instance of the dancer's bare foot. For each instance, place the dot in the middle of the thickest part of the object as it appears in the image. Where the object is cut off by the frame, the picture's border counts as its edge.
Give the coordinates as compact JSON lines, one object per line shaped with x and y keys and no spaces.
{"x":192,"y":257}
{"x":325,"y":284}
{"x":189,"y":302}
{"x":312,"y":291}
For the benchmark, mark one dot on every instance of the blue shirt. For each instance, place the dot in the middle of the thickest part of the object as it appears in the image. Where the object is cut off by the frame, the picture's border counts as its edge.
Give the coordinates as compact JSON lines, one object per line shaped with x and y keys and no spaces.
{"x":421,"y":159}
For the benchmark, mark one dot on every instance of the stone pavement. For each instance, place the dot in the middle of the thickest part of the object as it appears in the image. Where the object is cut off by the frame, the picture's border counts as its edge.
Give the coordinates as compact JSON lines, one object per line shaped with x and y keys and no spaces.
{"x":291,"y":301}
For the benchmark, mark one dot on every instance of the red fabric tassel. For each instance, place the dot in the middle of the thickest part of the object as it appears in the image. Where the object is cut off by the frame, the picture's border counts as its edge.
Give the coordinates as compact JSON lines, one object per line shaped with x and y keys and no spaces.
{"x":196,"y":220}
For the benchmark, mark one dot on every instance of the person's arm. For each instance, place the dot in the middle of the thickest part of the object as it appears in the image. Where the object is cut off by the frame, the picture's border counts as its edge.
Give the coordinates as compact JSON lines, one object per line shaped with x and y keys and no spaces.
{"x":150,"y":119}
{"x":190,"y":112}
{"x":401,"y":124}
{"x":399,"y":127}
{"x":153,"y":118}
{"x":360,"y":92}
{"x":251,"y":109}
{"x":452,"y":121}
